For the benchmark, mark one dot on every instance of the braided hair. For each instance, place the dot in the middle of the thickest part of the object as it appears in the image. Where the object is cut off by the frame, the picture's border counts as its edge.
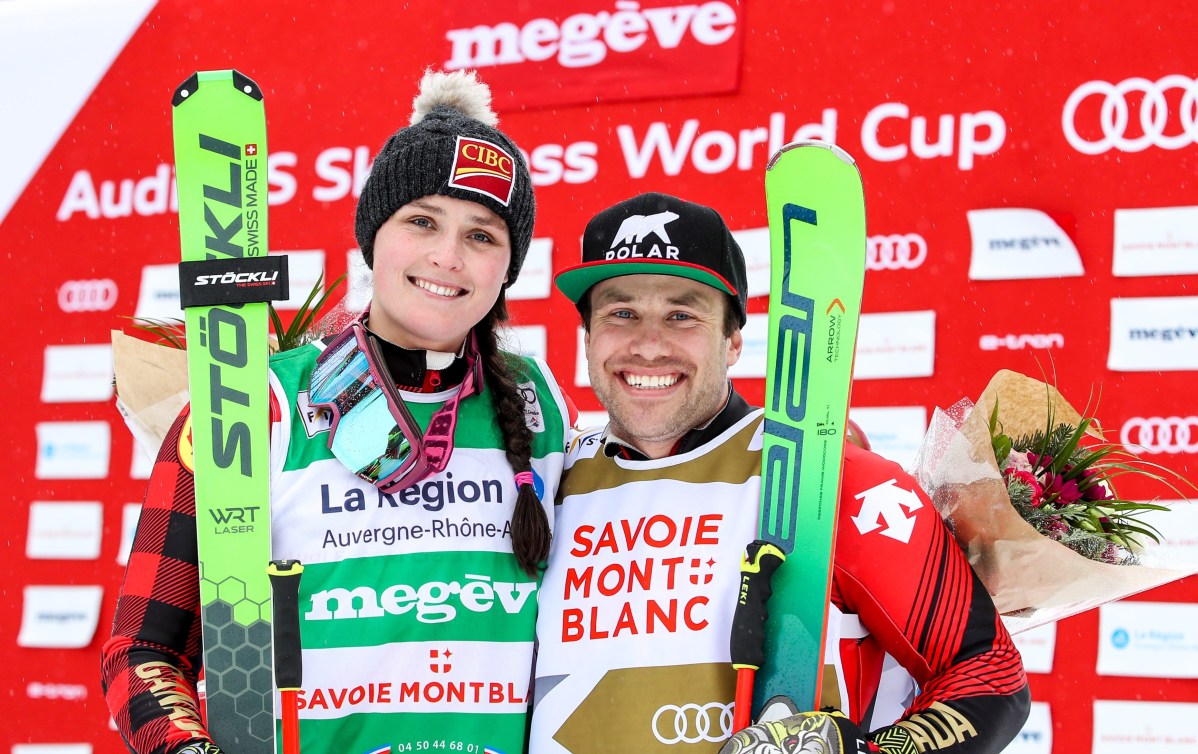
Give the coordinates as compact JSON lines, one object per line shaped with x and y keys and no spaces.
{"x":530,"y":526}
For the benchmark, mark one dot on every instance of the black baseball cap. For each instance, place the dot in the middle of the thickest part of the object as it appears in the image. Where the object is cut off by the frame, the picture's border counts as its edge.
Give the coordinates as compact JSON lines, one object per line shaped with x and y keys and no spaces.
{"x":658,"y":234}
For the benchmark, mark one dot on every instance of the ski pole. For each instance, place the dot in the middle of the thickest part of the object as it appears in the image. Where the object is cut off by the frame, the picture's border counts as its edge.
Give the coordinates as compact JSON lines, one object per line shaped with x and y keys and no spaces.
{"x":289,"y":670}
{"x":747,"y":645}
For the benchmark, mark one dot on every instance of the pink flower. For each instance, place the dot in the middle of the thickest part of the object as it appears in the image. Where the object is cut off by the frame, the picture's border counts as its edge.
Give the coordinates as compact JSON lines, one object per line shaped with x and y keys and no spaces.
{"x":1017,"y":461}
{"x":1029,"y":479}
{"x":1096,"y":491}
{"x":1065,"y":492}
{"x":1039,"y":461}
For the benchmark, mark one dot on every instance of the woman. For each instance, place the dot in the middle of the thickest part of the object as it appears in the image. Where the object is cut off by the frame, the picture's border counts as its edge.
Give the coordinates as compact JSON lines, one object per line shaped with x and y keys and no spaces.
{"x":410,"y":459}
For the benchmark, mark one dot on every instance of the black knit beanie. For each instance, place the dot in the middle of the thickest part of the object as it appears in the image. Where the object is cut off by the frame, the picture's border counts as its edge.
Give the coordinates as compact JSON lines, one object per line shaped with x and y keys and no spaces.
{"x":451,"y":147}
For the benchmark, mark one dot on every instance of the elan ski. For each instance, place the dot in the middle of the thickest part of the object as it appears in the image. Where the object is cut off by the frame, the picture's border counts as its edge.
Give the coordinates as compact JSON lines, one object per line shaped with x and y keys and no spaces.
{"x":224,"y":280}
{"x":816,"y":211}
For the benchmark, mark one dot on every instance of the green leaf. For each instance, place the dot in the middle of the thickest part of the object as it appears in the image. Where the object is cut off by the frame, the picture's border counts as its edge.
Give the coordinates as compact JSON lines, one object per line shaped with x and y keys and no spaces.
{"x":169,"y":331}
{"x":1002,"y":449}
{"x":293,"y":336}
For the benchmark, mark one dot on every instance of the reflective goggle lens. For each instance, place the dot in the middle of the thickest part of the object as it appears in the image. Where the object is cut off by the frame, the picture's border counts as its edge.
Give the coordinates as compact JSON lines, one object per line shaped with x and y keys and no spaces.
{"x":370,"y":435}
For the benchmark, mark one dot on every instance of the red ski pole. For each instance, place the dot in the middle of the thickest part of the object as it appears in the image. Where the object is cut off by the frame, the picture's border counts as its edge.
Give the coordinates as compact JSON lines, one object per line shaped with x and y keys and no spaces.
{"x":288,"y":666}
{"x":747,"y":644}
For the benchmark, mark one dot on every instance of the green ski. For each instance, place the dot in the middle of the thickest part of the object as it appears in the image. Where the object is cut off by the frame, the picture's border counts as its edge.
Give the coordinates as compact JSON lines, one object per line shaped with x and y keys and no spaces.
{"x":220,"y":165}
{"x":816,"y":211}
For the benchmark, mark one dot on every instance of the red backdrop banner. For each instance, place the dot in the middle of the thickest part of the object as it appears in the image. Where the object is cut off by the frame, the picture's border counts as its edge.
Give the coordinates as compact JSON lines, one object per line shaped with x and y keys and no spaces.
{"x":1030,"y":193}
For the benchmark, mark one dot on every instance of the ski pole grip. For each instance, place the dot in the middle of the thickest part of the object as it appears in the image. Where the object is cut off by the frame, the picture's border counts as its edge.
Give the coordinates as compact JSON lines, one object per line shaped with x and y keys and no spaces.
{"x":284,"y":588}
{"x":757,"y":568}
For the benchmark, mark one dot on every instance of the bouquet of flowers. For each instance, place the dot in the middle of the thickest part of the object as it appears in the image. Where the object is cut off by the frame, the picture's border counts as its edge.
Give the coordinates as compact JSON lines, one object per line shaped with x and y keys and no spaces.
{"x":1065,"y":490}
{"x":1027,"y":484}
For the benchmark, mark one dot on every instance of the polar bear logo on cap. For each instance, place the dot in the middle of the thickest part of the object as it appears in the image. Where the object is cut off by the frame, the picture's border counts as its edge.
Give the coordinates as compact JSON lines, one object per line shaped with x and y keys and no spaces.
{"x":635,"y":228}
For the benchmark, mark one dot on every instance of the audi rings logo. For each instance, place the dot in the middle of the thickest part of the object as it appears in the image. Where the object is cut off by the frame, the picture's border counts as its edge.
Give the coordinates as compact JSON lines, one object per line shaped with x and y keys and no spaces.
{"x":692,"y":723}
{"x":1153,"y":111}
{"x":896,"y":252}
{"x":1156,"y":434}
{"x":87,"y":295}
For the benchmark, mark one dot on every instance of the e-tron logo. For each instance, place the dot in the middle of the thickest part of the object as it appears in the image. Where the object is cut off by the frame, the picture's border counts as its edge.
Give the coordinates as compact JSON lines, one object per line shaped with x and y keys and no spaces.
{"x":1023,"y":340}
{"x":692,"y":723}
{"x":896,"y":252}
{"x":1153,"y":110}
{"x":1157,"y":434}
{"x":87,"y":295}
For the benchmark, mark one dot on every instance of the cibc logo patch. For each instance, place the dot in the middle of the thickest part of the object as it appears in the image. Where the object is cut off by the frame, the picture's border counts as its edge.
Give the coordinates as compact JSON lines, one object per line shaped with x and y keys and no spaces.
{"x":483,"y":167}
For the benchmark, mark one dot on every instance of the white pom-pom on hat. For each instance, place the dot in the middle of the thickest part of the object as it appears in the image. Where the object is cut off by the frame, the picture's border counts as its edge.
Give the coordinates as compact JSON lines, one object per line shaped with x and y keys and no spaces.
{"x":460,"y":90}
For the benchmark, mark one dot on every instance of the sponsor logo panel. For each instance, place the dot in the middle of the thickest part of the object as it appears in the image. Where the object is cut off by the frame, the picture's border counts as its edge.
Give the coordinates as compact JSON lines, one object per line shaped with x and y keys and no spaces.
{"x":1157,"y":727}
{"x":754,"y":353}
{"x":77,"y":374}
{"x":1019,"y":244}
{"x":595,"y":51}
{"x":304,"y":268}
{"x":593,"y":419}
{"x":1148,"y":639}
{"x":130,"y":514}
{"x":98,"y":295}
{"x":359,"y":281}
{"x":1179,"y":525}
{"x":1036,"y":735}
{"x":895,"y":344}
{"x":158,"y":295}
{"x":1037,"y":647}
{"x":536,"y":276}
{"x":68,"y":748}
{"x":1154,"y":334}
{"x":62,"y":530}
{"x":755,"y":244}
{"x":894,"y":432}
{"x":1132,"y":115}
{"x":59,"y":617}
{"x":142,"y":462}
{"x":526,"y":340}
{"x":70,"y":692}
{"x":72,"y":450}
{"x":582,"y":377}
{"x":1161,"y":241}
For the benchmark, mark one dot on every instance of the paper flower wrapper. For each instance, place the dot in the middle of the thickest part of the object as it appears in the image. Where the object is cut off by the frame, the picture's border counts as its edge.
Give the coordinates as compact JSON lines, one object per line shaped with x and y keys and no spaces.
{"x":151,"y":387}
{"x":1032,"y":579}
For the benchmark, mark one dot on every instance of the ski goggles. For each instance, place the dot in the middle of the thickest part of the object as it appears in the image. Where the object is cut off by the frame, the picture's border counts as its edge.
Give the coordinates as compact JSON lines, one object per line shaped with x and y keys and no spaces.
{"x":373,"y":433}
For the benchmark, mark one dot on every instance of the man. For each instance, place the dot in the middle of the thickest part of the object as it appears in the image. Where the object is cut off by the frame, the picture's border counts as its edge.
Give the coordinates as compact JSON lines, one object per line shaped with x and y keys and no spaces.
{"x":655,"y":511}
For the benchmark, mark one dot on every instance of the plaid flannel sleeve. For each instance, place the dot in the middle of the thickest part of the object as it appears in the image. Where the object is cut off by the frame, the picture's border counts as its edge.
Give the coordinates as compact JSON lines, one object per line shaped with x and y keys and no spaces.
{"x":150,"y":665}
